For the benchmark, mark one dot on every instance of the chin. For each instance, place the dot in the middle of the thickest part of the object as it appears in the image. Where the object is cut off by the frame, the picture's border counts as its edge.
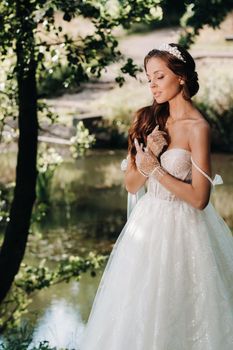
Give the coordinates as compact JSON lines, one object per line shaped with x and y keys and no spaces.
{"x":160,"y":100}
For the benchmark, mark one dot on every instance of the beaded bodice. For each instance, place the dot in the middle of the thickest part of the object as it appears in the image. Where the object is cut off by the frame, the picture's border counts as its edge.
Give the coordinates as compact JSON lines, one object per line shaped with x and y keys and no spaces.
{"x":177,"y":162}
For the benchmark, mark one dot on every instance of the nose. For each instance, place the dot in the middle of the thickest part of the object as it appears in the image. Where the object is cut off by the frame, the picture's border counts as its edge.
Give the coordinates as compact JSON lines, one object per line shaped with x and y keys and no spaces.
{"x":153,"y":83}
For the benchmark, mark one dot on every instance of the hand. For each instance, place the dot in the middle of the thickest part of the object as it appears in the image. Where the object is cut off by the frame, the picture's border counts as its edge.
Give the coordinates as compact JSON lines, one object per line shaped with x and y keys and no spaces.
{"x":156,"y":141}
{"x":145,"y":160}
{"x":147,"y":164}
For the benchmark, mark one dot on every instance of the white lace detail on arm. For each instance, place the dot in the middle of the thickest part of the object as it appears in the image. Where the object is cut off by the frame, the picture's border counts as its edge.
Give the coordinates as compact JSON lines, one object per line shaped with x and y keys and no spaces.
{"x":217,"y":178}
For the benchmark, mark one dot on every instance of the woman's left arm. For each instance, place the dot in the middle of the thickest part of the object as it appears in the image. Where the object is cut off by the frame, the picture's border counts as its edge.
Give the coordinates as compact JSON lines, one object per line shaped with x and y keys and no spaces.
{"x":198,"y":192}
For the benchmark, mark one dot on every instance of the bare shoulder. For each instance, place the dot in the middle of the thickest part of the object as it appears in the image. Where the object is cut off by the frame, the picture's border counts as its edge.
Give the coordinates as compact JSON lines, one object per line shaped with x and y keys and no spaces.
{"x":199,"y":133}
{"x":196,"y":124}
{"x":197,"y":118}
{"x":199,"y":126}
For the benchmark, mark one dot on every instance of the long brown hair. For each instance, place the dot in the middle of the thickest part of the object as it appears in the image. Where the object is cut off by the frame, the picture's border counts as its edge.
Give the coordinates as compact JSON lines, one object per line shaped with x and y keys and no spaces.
{"x":146,"y":118}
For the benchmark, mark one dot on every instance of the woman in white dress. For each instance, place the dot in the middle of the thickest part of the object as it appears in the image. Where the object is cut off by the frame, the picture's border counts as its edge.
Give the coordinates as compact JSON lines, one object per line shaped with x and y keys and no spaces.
{"x":168,"y":284}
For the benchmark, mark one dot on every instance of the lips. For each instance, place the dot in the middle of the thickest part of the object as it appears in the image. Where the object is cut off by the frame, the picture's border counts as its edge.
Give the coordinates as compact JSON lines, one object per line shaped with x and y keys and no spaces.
{"x":157,"y":94}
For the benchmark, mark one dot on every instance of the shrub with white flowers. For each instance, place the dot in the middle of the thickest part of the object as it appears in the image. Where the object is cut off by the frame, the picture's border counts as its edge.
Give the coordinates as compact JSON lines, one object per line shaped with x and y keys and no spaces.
{"x":48,"y":159}
{"x":82,"y":141}
{"x":47,"y":162}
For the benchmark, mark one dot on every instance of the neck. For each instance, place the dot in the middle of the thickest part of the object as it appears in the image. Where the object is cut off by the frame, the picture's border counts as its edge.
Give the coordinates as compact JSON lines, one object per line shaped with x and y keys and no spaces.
{"x":179,"y":108}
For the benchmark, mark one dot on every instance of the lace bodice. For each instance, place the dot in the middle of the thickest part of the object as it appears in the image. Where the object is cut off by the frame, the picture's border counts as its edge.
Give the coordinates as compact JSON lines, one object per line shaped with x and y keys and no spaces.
{"x":177,"y":162}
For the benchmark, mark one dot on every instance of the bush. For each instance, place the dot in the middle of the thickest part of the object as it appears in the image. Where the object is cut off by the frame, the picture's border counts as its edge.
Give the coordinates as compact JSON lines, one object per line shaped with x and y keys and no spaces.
{"x":56,"y":82}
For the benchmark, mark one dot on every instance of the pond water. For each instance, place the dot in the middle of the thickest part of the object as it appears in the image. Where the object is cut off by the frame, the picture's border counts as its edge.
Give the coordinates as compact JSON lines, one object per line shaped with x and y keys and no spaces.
{"x":88,"y":211}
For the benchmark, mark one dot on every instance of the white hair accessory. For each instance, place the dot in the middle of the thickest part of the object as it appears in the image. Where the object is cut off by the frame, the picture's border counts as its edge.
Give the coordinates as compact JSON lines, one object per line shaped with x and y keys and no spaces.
{"x":172,"y":50}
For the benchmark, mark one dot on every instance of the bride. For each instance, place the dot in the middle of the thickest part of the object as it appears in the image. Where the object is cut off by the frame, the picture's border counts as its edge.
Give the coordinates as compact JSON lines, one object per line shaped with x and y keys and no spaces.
{"x":168,"y":284}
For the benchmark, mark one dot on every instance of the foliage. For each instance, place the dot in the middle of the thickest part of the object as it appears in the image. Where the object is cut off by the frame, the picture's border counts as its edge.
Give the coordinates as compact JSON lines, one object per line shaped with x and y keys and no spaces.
{"x":20,"y":338}
{"x":5,"y":199}
{"x":82,"y":141}
{"x":8,"y":101}
{"x":33,"y":278}
{"x":200,"y":13}
{"x":3,"y":208}
{"x":170,"y":13}
{"x":75,"y":56}
{"x":55,"y":83}
{"x":47,"y":162}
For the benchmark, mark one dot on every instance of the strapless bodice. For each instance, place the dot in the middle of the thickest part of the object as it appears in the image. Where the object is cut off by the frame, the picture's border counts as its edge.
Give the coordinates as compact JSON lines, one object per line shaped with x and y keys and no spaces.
{"x":177,"y":162}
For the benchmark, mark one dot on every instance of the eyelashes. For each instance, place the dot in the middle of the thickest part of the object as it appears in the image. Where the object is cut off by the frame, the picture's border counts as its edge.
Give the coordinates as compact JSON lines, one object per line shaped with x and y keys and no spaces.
{"x":149,"y":81}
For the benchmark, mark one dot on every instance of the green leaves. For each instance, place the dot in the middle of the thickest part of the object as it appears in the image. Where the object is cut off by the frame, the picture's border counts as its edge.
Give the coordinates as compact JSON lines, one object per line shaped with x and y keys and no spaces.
{"x":32,"y":278}
{"x":89,"y":53}
{"x":131,"y":68}
{"x":200,"y":13}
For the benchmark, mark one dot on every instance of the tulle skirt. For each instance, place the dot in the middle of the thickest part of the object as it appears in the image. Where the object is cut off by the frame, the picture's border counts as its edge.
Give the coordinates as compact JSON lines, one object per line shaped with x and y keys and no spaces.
{"x":168,"y":283}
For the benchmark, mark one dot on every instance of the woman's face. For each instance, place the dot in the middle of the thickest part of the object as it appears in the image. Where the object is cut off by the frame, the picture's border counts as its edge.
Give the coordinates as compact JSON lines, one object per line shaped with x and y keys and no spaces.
{"x":164,"y":84}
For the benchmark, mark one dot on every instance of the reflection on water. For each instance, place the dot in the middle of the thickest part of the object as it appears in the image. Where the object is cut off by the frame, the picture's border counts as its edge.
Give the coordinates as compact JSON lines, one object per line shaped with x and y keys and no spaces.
{"x":87,"y":212}
{"x":60,"y":325}
{"x":60,"y":313}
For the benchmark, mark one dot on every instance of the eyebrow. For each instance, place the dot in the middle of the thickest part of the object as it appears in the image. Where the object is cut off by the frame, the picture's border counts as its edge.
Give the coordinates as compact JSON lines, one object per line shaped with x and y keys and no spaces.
{"x":156,"y":71}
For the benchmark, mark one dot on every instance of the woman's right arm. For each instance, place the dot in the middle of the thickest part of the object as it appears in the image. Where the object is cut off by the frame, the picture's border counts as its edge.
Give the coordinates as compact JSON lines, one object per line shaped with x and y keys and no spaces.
{"x":133,"y":179}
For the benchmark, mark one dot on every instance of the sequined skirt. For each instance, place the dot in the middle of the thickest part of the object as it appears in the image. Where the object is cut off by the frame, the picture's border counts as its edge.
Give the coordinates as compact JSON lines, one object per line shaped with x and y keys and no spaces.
{"x":168,"y":283}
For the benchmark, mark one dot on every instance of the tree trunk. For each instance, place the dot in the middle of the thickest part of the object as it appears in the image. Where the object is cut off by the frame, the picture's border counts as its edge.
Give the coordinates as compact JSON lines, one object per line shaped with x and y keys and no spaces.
{"x":15,"y":240}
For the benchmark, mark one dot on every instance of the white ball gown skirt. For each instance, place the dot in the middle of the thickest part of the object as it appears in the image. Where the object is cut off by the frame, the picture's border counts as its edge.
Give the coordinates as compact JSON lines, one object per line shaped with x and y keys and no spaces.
{"x":168,"y":283}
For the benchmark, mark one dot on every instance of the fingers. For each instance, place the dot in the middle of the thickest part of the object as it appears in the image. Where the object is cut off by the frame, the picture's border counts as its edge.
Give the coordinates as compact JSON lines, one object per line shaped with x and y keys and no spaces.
{"x":157,"y":131}
{"x":136,"y":144}
{"x":138,"y":148}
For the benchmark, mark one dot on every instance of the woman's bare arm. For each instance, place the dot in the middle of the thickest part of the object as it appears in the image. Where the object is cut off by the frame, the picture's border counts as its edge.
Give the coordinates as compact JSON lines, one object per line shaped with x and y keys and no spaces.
{"x":198,"y":192}
{"x":133,"y":179}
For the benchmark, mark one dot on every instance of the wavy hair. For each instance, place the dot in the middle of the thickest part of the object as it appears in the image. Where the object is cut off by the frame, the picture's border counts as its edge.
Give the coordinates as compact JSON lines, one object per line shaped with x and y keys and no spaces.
{"x":146,"y":118}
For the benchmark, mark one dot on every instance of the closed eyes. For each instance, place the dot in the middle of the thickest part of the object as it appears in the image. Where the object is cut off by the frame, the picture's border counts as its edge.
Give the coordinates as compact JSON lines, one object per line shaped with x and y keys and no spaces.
{"x":149,"y":81}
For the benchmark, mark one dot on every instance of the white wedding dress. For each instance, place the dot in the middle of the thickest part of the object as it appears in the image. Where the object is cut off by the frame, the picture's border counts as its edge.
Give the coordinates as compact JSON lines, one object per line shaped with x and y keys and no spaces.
{"x":168,"y":284}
